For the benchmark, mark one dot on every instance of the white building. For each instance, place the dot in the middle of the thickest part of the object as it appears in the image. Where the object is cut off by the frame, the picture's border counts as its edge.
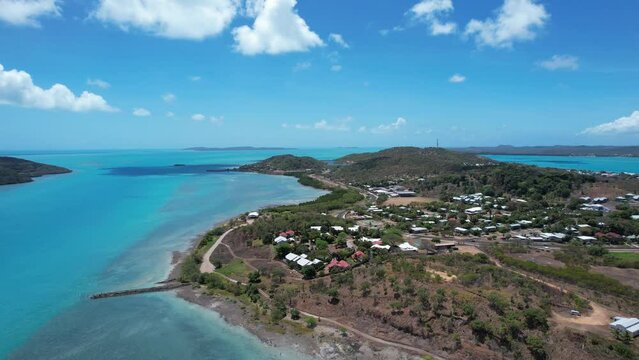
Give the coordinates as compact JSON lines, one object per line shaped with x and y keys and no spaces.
{"x":253,"y":215}
{"x":461,"y":230}
{"x":474,"y":210}
{"x":630,"y":325}
{"x":407,"y":247}
{"x":280,"y":239}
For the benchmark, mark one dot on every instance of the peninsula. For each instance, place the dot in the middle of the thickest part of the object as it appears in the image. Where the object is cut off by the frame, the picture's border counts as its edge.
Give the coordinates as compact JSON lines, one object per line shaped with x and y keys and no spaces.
{"x":438,"y":255}
{"x":558,"y":150}
{"x":17,"y":171}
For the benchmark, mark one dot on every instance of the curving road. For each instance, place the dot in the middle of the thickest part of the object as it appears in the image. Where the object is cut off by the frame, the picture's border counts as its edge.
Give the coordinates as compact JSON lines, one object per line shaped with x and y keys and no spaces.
{"x":207,"y":266}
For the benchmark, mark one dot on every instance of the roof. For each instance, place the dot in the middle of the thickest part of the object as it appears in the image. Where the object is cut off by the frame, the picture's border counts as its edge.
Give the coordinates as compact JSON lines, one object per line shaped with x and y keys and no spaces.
{"x":303,"y":262}
{"x":292,"y":257}
{"x":407,"y":247}
{"x":280,"y":239}
{"x":625,"y":322}
{"x":358,"y":254}
{"x":378,"y":246}
{"x":338,"y":263}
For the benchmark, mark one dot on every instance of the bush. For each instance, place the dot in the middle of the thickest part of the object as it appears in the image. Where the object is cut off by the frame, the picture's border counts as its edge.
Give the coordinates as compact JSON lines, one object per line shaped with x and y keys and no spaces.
{"x":311,"y":322}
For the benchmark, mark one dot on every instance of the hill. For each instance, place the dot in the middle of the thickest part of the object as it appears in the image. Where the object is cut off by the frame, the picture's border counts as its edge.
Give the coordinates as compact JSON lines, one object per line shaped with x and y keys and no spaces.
{"x":16,"y":171}
{"x":558,"y":150}
{"x":286,"y":164}
{"x":405,"y":162}
{"x":234,"y":148}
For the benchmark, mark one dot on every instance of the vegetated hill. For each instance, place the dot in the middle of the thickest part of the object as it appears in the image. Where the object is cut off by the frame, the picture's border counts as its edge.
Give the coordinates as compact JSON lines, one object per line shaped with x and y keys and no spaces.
{"x":286,"y":163}
{"x":405,"y":162}
{"x":234,"y":148}
{"x":558,"y":150}
{"x":16,"y":171}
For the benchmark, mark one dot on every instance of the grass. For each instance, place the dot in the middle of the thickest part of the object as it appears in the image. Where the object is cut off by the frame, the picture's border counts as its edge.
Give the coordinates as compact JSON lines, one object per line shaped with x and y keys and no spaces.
{"x":236,"y":268}
{"x":257,"y":243}
{"x":625,"y":256}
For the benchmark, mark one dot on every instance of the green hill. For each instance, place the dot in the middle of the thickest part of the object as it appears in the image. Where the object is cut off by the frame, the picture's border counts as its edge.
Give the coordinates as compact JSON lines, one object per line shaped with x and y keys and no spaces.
{"x":286,"y":164}
{"x":16,"y":171}
{"x":405,"y":162}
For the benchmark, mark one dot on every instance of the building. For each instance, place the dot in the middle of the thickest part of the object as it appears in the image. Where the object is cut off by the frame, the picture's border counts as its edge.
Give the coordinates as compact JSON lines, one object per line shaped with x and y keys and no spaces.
{"x":280,"y":239}
{"x":340,"y":264}
{"x":445,"y":246}
{"x":407,"y":247}
{"x":629,"y":325}
{"x":253,"y":215}
{"x":474,"y":210}
{"x":461,"y":230}
{"x":316,"y":228}
{"x":418,"y":230}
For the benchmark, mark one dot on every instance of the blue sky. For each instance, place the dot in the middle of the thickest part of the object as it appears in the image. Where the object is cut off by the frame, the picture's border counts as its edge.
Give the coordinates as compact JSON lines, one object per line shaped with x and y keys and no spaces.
{"x":177,"y":73}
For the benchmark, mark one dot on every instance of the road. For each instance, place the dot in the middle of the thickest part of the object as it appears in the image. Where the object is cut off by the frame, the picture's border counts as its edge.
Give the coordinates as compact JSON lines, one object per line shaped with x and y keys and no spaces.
{"x":207,"y":266}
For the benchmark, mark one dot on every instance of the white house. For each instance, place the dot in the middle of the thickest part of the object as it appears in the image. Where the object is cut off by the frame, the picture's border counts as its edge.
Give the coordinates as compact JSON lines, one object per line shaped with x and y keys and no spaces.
{"x":474,"y":210}
{"x":292,"y":257}
{"x":407,"y":247}
{"x":353,"y":229}
{"x":384,"y":247}
{"x":337,"y":228}
{"x":253,"y":215}
{"x":586,"y":238}
{"x":418,"y":230}
{"x":280,"y":239}
{"x":316,"y":228}
{"x":461,"y":230}
{"x":630,"y":325}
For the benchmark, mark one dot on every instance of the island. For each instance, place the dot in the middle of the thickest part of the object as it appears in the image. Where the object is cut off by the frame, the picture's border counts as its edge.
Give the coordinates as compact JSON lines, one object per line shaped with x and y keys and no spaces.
{"x":16,"y":171}
{"x":235,"y":148}
{"x":427,"y":253}
{"x":558,"y":150}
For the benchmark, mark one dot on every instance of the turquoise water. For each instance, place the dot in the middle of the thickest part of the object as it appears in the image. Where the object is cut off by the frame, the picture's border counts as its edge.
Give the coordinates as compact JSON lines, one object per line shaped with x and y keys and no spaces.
{"x":67,"y":236}
{"x":614,"y":164}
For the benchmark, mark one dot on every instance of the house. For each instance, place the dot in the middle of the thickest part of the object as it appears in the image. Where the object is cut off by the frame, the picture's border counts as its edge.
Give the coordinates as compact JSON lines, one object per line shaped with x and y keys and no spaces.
{"x":288,"y":233}
{"x":474,"y":210}
{"x":407,"y":247}
{"x":635,"y":217}
{"x":337,"y":228}
{"x":600,"y":200}
{"x":583,"y":226}
{"x":461,"y":230}
{"x":476,"y":229}
{"x":316,"y":228}
{"x":292,"y":257}
{"x":340,"y":264}
{"x":378,"y":246}
{"x":418,"y":230}
{"x":280,"y":239}
{"x":445,"y":246}
{"x":253,"y":215}
{"x":525,"y":222}
{"x":358,"y":255}
{"x":629,"y":325}
{"x":553,"y":236}
{"x":515,"y":226}
{"x":490,"y":229}
{"x":586,"y":238}
{"x":353,"y":229}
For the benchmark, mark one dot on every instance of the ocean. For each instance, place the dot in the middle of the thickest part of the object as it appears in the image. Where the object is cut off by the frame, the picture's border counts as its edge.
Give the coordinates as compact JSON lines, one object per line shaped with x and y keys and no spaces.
{"x":113,"y":224}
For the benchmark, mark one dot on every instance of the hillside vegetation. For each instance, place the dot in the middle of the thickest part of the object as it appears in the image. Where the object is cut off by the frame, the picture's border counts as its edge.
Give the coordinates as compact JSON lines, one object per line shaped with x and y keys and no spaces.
{"x":16,"y":171}
{"x":286,"y":163}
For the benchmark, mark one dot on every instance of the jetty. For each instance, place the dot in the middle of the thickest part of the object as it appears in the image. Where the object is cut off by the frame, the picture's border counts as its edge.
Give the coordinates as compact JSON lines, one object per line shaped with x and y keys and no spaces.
{"x":164,"y":287}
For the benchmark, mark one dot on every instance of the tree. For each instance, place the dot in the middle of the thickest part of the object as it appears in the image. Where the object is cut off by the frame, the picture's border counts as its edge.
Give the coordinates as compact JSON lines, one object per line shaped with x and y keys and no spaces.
{"x":282,"y":250}
{"x":334,"y":294}
{"x":536,"y":318}
{"x":309,"y":272}
{"x":255,"y":277}
{"x":536,"y":347}
{"x":311,"y":322}
{"x":295,"y":314}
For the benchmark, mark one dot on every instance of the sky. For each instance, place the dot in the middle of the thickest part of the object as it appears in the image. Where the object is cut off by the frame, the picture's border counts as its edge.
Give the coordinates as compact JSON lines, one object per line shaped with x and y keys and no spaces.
{"x":125,"y":74}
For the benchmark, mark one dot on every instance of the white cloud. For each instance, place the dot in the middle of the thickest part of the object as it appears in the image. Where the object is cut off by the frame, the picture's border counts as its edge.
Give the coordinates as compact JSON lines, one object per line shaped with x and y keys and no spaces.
{"x":339,"y":40}
{"x":98,"y":83}
{"x":198,"y":117}
{"x":516,"y":20}
{"x":141,"y":112}
{"x":336,"y":68}
{"x":431,"y":12}
{"x":195,"y":78}
{"x":27,"y":12}
{"x":623,"y":125}
{"x":17,"y":88}
{"x":560,"y":62}
{"x":386,"y":128}
{"x":301,"y":66}
{"x":457,"y":78}
{"x":277,"y":29}
{"x":168,"y":97}
{"x":324,"y":125}
{"x":217,"y":120}
{"x":176,"y":19}
{"x":170,"y":114}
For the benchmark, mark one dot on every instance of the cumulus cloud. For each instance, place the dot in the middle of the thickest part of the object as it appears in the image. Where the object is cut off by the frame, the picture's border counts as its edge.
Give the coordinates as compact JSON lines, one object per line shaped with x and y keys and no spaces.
{"x":17,"y":88}
{"x":195,"y":78}
{"x":141,"y":112}
{"x":560,"y":62}
{"x":169,"y":114}
{"x":98,"y":83}
{"x":198,"y":117}
{"x":623,"y":125}
{"x":339,"y":40}
{"x":457,"y":78}
{"x":27,"y":12}
{"x":432,"y":12}
{"x":336,"y":68}
{"x":169,"y":97}
{"x":277,"y":29}
{"x":176,"y":19}
{"x":386,"y":128}
{"x":516,"y":20}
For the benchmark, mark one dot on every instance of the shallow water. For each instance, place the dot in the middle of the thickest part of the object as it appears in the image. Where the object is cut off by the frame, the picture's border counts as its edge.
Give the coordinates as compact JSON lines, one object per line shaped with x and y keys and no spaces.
{"x":111,"y":224}
{"x":590,"y":163}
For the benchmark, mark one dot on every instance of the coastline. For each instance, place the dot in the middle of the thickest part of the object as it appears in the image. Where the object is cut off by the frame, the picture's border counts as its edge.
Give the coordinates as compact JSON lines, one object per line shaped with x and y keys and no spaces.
{"x":323,"y":342}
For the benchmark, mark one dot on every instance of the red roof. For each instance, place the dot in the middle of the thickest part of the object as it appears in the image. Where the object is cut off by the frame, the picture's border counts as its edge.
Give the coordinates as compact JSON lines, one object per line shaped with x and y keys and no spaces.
{"x":339,"y":263}
{"x":358,"y":254}
{"x":287,"y":233}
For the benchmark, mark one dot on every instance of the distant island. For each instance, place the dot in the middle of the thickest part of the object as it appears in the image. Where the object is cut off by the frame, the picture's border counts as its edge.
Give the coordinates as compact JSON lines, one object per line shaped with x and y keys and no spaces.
{"x":235,"y":148}
{"x":17,"y":171}
{"x":557,"y":150}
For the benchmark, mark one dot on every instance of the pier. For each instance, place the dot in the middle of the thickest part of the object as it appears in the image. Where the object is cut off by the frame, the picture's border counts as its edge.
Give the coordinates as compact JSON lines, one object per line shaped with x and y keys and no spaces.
{"x":160,"y":288}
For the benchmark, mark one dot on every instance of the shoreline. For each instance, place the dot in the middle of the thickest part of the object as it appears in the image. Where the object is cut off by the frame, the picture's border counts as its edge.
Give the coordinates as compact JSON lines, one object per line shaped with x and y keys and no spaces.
{"x":322,"y":342}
